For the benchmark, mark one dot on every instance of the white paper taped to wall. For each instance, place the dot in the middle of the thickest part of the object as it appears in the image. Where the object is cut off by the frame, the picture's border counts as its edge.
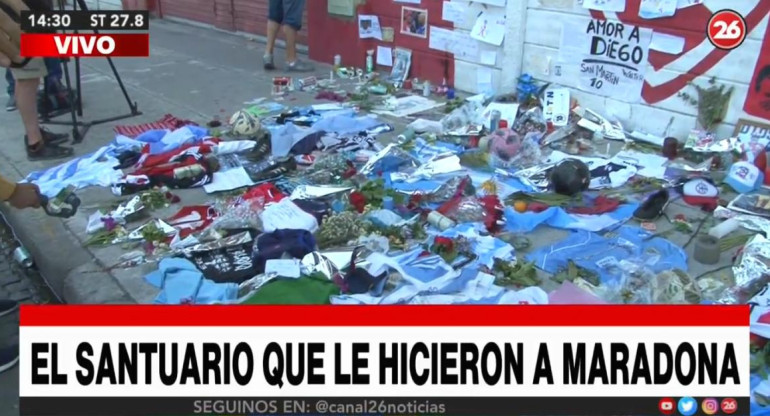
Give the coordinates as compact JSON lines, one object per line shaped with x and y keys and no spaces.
{"x":665,"y":43}
{"x":458,"y":43}
{"x":490,"y":27}
{"x":454,"y":12}
{"x":605,"y":5}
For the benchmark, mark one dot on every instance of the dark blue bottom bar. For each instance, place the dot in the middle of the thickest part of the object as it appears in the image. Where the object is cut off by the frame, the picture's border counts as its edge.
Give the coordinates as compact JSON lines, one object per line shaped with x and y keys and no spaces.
{"x":488,"y":406}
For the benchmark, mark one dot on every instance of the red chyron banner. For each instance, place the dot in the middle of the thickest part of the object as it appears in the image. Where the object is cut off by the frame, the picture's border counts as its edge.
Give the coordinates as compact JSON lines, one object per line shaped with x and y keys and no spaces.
{"x":83,"y":46}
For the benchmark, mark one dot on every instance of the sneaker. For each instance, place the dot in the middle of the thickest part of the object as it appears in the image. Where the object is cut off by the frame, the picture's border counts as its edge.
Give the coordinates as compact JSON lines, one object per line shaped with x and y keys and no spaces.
{"x":261,"y":149}
{"x":653,"y":207}
{"x":276,"y":169}
{"x":299,"y":66}
{"x":10,"y":105}
{"x":267,"y":59}
{"x":47,"y":151}
{"x":53,"y":138}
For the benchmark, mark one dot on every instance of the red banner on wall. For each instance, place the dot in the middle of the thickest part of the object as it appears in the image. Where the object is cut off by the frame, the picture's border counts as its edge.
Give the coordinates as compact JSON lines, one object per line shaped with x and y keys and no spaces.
{"x":758,"y":100}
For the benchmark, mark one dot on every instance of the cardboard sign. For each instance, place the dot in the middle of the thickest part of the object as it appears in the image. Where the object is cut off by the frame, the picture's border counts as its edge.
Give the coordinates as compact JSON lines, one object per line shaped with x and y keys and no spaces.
{"x":556,"y":106}
{"x":604,"y":57}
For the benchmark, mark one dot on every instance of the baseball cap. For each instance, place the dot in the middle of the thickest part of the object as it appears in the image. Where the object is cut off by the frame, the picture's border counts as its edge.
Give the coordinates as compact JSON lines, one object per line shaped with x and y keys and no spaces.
{"x":744,"y":177}
{"x":700,"y":192}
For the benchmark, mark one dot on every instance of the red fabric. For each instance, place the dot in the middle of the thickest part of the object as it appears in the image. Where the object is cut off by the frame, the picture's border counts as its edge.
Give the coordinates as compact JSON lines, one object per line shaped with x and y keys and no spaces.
{"x":191,"y":219}
{"x":602,"y":205}
{"x":168,"y":122}
{"x":171,"y":156}
{"x":266,"y":191}
{"x":761,"y":163}
{"x":166,"y":169}
{"x":758,"y":99}
{"x":537,"y":207}
{"x":211,"y":141}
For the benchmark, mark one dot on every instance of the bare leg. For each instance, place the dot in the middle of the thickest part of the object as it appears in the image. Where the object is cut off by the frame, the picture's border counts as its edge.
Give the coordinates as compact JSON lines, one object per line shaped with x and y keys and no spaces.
{"x":291,"y":43}
{"x":272,"y":34}
{"x":26,"y":102}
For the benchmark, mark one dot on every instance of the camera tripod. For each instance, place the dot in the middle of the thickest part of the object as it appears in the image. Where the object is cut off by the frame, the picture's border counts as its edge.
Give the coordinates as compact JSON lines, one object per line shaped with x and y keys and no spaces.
{"x":80,"y":128}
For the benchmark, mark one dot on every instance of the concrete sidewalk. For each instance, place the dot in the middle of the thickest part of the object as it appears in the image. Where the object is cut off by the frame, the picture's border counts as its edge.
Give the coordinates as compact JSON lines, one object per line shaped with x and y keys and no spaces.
{"x":193,"y":73}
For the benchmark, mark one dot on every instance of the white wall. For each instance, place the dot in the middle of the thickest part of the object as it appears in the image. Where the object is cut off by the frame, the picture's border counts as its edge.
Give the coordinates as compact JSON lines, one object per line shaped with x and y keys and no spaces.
{"x":466,"y":70}
{"x":532,"y":46}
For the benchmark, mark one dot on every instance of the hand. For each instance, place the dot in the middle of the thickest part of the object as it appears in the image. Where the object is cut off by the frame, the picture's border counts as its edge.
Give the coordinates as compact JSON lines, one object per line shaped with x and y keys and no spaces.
{"x":26,"y":195}
{"x":10,"y":33}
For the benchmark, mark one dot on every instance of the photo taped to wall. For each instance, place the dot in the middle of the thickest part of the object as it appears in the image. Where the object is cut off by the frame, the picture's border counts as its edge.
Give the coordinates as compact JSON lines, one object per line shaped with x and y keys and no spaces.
{"x":414,"y":22}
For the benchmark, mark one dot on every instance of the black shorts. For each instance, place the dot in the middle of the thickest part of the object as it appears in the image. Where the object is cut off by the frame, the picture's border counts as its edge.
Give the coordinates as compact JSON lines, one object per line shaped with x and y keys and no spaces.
{"x":287,"y":12}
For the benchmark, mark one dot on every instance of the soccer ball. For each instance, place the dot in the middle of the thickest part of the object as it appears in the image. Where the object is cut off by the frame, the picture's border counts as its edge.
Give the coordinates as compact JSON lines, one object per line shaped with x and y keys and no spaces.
{"x":245,"y":124}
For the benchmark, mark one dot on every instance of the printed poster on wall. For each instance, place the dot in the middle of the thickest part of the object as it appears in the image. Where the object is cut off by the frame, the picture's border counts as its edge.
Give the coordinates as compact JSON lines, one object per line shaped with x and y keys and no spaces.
{"x":758,"y":99}
{"x":608,"y":58}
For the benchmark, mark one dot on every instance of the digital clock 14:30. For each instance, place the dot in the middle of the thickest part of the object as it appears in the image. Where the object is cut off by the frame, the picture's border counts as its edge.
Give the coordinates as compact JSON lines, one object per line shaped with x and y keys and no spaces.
{"x":84,"y":20}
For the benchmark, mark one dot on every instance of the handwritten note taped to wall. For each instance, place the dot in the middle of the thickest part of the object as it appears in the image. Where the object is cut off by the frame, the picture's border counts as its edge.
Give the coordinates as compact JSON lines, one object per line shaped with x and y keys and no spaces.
{"x":458,"y":43}
{"x":490,"y":27}
{"x":605,"y":58}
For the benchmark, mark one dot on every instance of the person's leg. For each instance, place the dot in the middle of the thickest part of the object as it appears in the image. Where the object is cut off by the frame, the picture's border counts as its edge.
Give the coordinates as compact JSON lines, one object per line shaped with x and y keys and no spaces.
{"x":292,"y":23}
{"x":11,"y":104}
{"x":274,"y":20}
{"x":53,"y":67}
{"x":39,"y":143}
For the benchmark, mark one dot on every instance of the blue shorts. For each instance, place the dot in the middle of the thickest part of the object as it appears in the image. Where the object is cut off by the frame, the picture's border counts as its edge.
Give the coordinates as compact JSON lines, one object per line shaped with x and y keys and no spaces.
{"x":287,"y":12}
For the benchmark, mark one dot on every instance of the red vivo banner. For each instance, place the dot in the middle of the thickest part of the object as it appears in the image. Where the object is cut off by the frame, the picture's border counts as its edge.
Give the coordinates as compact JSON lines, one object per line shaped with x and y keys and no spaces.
{"x":83,"y":46}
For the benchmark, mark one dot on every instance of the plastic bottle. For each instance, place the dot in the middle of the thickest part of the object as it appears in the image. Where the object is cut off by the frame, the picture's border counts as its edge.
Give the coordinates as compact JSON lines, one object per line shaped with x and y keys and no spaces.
{"x":494,"y":122}
{"x":337,"y":62}
{"x":439,"y":221}
{"x":407,"y":136}
{"x":369,"y":61}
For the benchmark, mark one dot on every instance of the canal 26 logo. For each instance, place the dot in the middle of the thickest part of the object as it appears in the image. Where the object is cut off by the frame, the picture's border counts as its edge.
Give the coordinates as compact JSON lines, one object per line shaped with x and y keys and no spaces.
{"x":727,"y":29}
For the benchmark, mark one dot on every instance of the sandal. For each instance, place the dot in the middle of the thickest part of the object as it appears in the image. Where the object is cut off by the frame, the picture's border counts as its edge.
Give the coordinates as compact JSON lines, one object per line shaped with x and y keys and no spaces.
{"x":44,"y":151}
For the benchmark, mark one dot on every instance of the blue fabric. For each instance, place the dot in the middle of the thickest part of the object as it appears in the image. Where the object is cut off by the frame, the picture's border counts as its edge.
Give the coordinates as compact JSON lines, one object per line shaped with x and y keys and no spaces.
{"x":181,"y":282}
{"x":586,"y":249}
{"x":424,"y":151}
{"x":756,"y":409}
{"x":557,"y":218}
{"x":424,"y":269}
{"x":344,"y":123}
{"x":486,"y":248}
{"x":96,"y":168}
{"x":11,"y":83}
{"x":162,"y":141}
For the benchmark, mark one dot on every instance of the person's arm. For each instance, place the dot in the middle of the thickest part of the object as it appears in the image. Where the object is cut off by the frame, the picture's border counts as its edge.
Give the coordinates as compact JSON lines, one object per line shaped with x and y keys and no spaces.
{"x":19,"y":195}
{"x":6,"y":189}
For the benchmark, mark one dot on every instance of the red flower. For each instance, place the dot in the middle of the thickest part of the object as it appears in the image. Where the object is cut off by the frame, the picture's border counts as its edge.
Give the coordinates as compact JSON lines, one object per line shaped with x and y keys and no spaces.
{"x":351,"y":171}
{"x":358,"y":200}
{"x":444,"y":244}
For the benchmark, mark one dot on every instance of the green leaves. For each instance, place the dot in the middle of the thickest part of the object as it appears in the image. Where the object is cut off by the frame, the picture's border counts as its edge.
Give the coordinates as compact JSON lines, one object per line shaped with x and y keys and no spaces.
{"x":519,"y":274}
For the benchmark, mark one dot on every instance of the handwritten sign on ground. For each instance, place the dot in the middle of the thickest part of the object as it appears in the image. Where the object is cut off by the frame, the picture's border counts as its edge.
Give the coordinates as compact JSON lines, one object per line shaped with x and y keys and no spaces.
{"x":605,"y":57}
